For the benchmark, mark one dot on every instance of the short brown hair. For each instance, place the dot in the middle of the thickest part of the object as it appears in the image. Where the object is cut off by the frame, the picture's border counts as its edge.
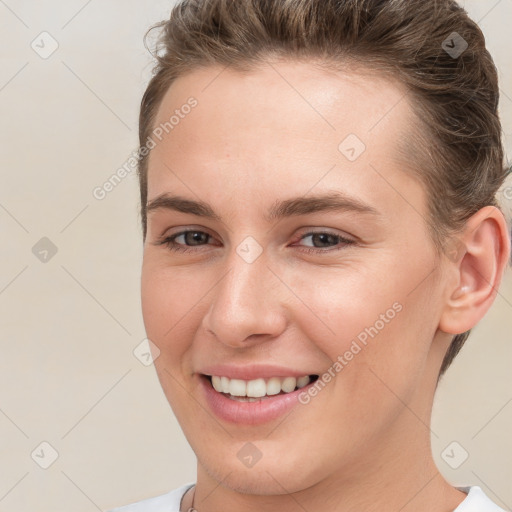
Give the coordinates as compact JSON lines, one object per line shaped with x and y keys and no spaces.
{"x":458,"y":153}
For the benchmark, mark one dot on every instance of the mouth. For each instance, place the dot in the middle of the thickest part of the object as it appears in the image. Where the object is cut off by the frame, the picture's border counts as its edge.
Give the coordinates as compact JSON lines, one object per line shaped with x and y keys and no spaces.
{"x":234,"y":400}
{"x":256,"y":390}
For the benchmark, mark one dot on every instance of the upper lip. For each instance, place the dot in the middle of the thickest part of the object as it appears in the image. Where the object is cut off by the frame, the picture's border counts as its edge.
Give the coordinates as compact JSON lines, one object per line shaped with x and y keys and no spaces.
{"x":252,"y":371}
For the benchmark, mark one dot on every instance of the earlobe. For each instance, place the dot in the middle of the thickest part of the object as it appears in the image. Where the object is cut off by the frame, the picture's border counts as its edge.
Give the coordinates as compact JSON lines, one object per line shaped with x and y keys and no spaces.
{"x":483,"y":251}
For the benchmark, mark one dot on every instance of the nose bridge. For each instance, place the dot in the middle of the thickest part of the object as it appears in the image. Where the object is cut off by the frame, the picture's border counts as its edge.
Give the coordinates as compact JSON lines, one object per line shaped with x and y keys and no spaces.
{"x":246,"y":301}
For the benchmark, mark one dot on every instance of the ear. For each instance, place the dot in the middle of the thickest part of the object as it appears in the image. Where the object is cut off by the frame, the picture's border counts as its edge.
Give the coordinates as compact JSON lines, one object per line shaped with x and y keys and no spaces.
{"x":477,"y":260}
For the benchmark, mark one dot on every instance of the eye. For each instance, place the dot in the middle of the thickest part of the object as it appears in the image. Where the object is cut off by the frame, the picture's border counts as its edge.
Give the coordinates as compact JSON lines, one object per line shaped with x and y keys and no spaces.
{"x":191,"y":236}
{"x":325,"y":237}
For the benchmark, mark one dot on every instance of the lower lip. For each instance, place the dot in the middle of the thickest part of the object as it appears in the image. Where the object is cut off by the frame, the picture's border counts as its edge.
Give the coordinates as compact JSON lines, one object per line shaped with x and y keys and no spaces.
{"x":250,"y":413}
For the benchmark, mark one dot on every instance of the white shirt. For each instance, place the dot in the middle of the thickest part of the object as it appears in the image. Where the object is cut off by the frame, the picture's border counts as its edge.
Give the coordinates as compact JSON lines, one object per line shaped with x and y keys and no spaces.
{"x":476,"y":501}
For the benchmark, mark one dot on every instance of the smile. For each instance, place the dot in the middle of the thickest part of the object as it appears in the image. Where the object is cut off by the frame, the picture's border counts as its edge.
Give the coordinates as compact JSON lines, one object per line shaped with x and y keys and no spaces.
{"x":252,"y":390}
{"x":253,"y":402}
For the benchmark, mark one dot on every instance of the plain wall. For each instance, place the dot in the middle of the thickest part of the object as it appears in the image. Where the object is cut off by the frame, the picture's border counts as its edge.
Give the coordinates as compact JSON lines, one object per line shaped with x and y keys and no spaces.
{"x":69,"y":325}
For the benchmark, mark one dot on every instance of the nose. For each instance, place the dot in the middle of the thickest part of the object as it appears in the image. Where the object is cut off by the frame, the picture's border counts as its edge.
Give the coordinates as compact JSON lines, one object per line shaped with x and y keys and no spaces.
{"x":247,"y":304}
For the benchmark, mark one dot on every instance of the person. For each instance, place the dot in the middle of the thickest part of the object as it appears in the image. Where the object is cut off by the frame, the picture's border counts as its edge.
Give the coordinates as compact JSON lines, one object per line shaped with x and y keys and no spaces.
{"x":321,"y":233}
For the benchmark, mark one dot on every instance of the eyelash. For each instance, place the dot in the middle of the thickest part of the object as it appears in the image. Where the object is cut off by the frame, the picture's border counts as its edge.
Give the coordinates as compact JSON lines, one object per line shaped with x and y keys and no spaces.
{"x":173,"y":246}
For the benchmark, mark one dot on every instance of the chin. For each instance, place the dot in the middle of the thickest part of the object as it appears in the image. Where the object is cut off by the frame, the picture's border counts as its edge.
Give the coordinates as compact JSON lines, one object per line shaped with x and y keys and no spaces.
{"x":261,"y":482}
{"x":271,"y":477}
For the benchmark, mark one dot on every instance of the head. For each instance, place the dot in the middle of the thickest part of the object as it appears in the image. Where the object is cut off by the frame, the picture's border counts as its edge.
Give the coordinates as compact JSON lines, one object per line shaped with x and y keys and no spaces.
{"x":283,"y":110}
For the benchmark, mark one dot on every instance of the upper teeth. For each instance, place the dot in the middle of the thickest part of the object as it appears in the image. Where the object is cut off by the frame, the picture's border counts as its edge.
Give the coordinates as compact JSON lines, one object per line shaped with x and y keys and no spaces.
{"x":258,"y":387}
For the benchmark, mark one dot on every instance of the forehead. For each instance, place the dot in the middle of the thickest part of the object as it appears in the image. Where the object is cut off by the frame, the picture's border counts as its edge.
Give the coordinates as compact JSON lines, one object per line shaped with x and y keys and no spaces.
{"x":355,"y":99}
{"x":282,"y":126}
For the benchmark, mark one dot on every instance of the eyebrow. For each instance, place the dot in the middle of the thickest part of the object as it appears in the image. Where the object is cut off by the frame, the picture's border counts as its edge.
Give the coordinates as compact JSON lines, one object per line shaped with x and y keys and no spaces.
{"x":333,"y":201}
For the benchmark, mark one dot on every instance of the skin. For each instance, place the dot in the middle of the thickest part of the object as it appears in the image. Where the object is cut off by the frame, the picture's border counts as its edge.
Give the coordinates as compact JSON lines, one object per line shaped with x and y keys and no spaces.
{"x":364,"y":441}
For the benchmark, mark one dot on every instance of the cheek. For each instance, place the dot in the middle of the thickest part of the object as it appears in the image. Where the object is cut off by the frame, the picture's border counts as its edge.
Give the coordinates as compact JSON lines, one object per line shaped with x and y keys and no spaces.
{"x":167,"y":301}
{"x":370,"y":317}
{"x":378,"y":351}
{"x":167,"y":308}
{"x":339,"y":305}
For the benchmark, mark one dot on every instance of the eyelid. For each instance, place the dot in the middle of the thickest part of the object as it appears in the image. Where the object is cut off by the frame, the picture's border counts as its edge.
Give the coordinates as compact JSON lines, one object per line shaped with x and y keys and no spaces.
{"x":328,"y":231}
{"x":184,"y":229}
{"x":343,"y":241}
{"x":163,"y":239}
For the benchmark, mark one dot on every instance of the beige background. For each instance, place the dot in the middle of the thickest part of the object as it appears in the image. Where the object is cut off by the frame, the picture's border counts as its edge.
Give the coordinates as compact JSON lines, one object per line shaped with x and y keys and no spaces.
{"x":69,"y":326}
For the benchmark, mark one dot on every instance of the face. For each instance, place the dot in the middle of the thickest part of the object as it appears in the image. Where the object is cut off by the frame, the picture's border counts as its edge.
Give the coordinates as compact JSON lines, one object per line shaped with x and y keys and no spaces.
{"x":264,"y":278}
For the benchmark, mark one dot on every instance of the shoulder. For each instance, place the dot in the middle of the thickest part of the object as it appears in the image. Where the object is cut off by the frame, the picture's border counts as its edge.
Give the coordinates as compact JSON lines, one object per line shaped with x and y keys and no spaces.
{"x":169,"y":502}
{"x":477,"y":501}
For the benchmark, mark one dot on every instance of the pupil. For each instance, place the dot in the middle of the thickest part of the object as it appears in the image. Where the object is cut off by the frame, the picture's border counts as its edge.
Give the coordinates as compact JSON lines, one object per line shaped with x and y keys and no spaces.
{"x":194,"y":236}
{"x":323,"y":237}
